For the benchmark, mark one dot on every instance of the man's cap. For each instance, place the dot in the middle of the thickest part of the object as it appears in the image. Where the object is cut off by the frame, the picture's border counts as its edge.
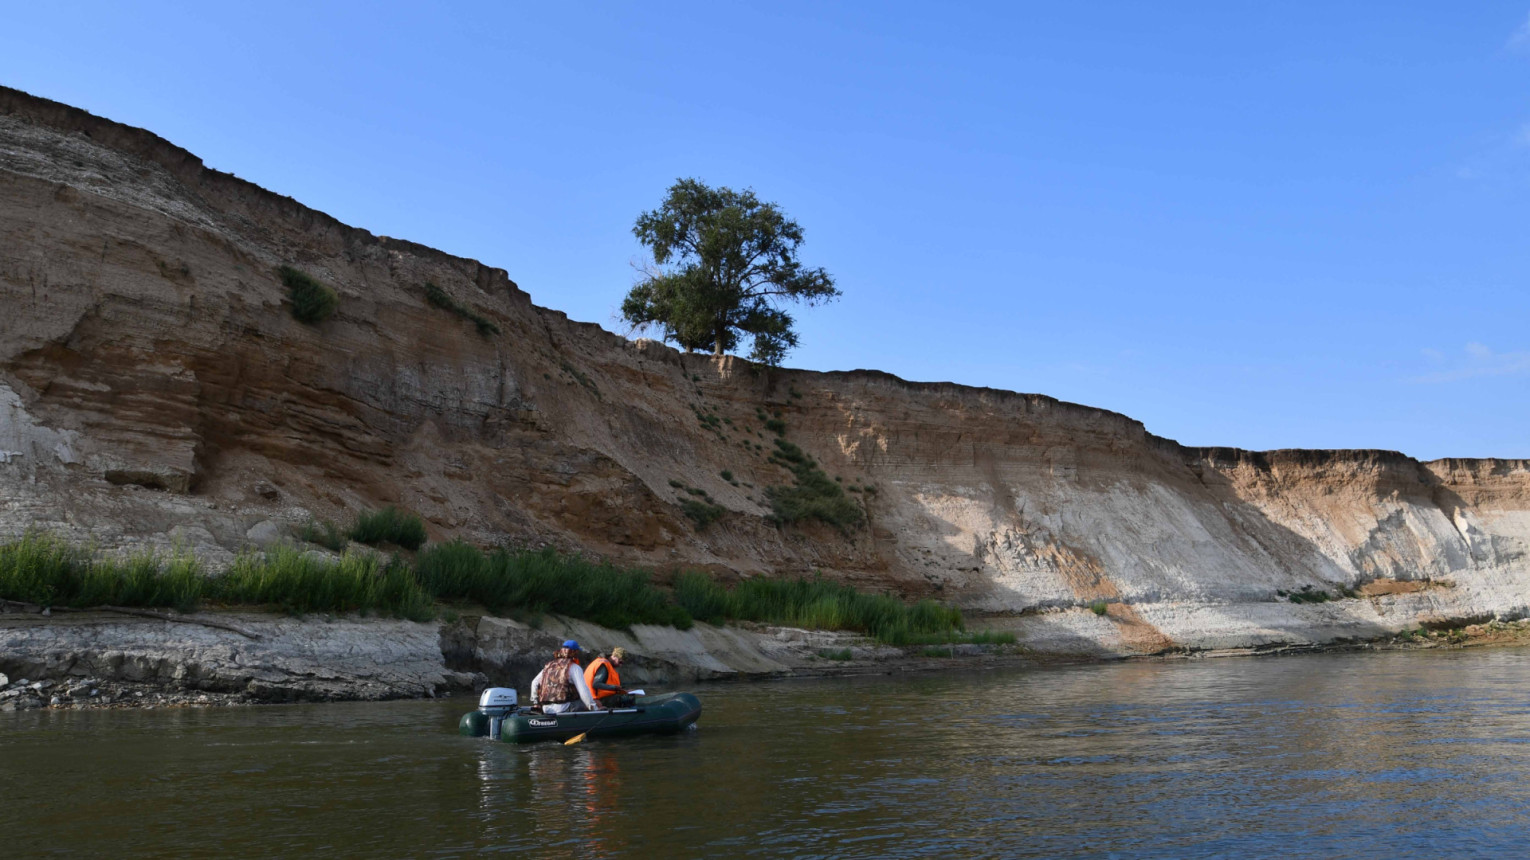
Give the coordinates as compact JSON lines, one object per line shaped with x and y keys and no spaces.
{"x":571,"y":645}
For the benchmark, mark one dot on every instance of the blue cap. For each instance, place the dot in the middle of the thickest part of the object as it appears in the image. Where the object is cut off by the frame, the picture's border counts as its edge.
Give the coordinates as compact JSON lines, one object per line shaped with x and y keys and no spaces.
{"x":571,"y":644}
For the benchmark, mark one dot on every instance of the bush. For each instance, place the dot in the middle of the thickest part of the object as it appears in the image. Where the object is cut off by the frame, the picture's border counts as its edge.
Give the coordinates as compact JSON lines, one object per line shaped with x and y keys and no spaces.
{"x":1309,"y":594}
{"x":391,"y":525}
{"x":814,"y":496}
{"x":312,"y":302}
{"x":1098,"y":607}
{"x":702,"y":513}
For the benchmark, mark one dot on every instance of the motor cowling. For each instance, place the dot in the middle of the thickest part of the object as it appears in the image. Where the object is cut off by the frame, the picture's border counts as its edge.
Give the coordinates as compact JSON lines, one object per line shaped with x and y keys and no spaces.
{"x":497,"y":701}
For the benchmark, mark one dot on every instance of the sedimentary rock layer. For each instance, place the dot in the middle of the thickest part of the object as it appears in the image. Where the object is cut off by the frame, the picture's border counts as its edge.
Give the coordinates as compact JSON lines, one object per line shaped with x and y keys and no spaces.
{"x":155,"y":388}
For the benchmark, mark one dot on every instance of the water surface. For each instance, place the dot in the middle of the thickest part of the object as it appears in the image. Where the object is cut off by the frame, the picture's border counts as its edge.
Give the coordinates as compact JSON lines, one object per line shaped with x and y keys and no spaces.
{"x":1346,"y":755}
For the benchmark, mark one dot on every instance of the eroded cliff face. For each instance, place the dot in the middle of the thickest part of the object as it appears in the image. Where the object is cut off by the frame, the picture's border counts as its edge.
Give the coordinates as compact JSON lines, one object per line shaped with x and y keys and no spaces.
{"x":155,"y":388}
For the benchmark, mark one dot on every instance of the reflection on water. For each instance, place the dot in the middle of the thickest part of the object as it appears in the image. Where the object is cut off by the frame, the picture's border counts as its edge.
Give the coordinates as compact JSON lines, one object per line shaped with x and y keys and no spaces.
{"x":1363,"y":755}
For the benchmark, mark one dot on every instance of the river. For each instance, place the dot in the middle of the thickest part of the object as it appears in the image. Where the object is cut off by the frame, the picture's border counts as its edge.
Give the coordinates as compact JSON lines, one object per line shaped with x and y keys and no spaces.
{"x":1402,"y":754}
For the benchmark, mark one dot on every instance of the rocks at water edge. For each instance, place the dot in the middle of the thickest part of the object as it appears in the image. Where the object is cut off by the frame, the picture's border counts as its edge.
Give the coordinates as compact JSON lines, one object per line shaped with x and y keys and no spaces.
{"x":92,"y":693}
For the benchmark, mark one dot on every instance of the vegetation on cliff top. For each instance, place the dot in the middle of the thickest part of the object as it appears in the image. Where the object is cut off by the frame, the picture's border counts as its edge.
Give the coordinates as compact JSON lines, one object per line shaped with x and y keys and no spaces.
{"x":731,"y":259}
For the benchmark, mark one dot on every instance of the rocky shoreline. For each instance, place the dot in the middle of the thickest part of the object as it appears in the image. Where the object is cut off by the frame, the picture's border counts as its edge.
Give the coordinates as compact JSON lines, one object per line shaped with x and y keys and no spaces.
{"x":96,"y":661}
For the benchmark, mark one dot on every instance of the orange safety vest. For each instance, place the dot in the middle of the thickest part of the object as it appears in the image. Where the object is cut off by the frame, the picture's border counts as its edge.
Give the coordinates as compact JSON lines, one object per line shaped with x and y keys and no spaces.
{"x":612,"y":678}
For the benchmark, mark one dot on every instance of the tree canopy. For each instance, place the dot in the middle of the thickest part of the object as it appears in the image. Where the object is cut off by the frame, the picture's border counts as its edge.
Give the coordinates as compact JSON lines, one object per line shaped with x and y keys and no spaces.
{"x":724,"y":265}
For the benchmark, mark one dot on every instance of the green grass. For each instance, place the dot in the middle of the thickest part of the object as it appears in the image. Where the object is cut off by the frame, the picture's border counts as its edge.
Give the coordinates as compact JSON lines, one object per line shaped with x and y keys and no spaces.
{"x":833,"y":654}
{"x":958,"y":637}
{"x":814,"y":495}
{"x":441,"y":299}
{"x":816,"y":604}
{"x":1099,"y":607}
{"x":299,"y":583}
{"x":325,"y":534}
{"x":312,"y":302}
{"x":546,"y":581}
{"x":389,"y":525}
{"x":45,"y":570}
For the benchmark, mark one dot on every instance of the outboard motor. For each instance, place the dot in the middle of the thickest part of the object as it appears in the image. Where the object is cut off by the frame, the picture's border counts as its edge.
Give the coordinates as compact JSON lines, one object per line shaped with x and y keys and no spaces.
{"x":496,"y":703}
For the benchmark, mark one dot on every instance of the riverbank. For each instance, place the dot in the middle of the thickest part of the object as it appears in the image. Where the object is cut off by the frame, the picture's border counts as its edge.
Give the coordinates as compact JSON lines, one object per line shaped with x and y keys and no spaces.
{"x":103,"y":659}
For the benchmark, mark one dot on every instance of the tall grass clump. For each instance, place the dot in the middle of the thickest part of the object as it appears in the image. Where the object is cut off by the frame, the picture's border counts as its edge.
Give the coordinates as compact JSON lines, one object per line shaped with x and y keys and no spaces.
{"x":325,"y":534}
{"x":546,"y":581}
{"x":814,"y":495}
{"x":43,"y":569}
{"x":818,"y":604}
{"x":312,"y":302}
{"x":390,"y":525}
{"x":300,"y":583}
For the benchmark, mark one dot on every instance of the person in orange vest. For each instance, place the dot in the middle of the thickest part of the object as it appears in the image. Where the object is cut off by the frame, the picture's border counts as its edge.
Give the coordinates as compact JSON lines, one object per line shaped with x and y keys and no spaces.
{"x":605,"y":682}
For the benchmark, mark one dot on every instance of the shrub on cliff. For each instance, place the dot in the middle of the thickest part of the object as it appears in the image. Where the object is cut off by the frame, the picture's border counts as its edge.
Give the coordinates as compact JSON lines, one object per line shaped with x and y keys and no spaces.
{"x":389,"y":525}
{"x":312,"y":302}
{"x":814,"y":496}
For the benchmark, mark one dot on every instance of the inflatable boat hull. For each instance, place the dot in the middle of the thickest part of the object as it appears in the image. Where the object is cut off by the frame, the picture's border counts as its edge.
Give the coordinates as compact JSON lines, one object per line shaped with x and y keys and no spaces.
{"x":670,"y":712}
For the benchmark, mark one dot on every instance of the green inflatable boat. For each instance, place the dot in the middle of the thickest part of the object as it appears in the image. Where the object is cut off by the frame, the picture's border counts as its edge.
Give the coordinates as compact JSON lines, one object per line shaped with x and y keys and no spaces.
{"x":499,"y":718}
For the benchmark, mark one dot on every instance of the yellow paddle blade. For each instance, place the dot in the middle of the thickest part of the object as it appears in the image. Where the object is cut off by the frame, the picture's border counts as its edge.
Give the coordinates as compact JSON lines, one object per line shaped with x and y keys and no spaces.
{"x":575,"y":739}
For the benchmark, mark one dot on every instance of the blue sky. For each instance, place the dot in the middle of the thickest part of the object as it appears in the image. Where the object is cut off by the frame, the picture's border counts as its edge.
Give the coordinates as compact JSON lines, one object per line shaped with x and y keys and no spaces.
{"x":1296,"y":225}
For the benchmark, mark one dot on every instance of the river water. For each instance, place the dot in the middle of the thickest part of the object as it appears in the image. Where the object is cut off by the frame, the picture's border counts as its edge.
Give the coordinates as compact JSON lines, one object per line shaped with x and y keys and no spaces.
{"x":1342,"y":755}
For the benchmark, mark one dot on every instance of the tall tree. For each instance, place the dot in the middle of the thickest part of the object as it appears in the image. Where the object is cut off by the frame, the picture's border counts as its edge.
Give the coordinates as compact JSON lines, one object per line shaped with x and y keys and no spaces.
{"x":724,"y":265}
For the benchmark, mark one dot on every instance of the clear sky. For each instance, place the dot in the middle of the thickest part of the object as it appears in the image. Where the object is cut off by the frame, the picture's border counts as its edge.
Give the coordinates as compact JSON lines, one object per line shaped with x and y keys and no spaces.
{"x":1277,"y":225}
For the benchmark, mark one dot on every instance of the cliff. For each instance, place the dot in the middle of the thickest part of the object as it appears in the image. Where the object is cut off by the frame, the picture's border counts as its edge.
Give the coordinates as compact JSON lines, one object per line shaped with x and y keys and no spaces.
{"x":156,"y":389}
